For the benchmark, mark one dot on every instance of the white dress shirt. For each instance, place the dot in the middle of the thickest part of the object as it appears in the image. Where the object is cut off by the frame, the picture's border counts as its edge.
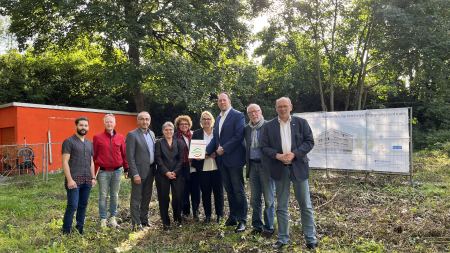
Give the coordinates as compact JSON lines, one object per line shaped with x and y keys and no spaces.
{"x":209,"y":164}
{"x":223,"y":116}
{"x":285,"y":133}
{"x":186,"y":140}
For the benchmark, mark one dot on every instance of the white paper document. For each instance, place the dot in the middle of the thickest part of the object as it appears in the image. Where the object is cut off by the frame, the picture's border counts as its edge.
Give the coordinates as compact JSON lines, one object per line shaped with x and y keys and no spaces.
{"x":197,"y":150}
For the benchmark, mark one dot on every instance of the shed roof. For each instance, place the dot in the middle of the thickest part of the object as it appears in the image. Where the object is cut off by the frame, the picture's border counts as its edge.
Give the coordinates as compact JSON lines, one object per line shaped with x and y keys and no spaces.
{"x":63,"y":108}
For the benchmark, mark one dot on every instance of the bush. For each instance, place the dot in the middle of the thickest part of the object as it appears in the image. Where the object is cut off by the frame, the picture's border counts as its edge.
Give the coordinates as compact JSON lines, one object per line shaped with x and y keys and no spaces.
{"x":434,"y":140}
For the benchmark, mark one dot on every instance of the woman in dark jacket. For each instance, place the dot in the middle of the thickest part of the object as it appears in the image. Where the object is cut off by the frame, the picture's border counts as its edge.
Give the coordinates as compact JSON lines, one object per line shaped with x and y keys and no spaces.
{"x":169,"y":156}
{"x":183,"y":124}
{"x":209,"y":175}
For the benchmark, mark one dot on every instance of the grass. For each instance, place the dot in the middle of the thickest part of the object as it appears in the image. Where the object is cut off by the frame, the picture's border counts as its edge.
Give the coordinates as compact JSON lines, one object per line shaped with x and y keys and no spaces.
{"x":379,"y":213}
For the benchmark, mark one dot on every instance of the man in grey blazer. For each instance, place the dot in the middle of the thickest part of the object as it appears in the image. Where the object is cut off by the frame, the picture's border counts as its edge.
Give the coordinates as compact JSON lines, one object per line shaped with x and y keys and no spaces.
{"x":261,"y":184}
{"x":285,"y":142}
{"x":140,"y":145}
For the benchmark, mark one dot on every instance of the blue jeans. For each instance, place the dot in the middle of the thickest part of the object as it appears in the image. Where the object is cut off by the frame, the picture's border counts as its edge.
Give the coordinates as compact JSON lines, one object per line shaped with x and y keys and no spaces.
{"x":233,"y":182}
{"x":77,"y":200}
{"x":261,"y":184}
{"x":301,"y":190}
{"x":108,"y":182}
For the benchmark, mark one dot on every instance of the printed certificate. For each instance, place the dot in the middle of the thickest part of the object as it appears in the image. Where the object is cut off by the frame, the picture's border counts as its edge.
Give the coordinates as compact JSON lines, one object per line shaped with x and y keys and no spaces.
{"x":197,"y":149}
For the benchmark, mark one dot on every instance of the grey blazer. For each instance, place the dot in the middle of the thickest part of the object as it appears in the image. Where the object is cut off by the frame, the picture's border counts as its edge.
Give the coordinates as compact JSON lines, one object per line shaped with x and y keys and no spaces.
{"x":302,"y":142}
{"x":137,"y":154}
{"x":248,"y":140}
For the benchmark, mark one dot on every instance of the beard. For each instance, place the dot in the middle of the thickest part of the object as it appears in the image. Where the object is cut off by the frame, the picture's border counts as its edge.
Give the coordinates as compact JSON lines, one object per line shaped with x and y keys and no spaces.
{"x":82,"y":132}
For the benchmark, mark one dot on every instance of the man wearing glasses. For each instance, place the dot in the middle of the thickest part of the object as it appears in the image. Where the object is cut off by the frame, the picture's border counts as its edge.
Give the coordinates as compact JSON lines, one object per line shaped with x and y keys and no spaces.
{"x":261,"y":184}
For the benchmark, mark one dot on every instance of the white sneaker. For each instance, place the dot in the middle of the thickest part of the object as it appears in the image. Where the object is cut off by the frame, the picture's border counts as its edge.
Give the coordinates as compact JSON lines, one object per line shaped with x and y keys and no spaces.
{"x":113,"y":222}
{"x":103,"y":223}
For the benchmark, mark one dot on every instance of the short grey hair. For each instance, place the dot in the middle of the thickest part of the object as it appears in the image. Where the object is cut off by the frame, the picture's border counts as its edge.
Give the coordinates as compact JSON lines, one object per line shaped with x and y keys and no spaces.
{"x":253,"y":105}
{"x":168,"y":124}
{"x":284,"y":98}
{"x":109,"y":115}
{"x":143,"y":112}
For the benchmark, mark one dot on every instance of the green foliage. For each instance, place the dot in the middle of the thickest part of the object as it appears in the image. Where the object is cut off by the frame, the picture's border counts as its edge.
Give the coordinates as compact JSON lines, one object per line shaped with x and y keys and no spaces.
{"x":368,"y":246}
{"x":199,"y":29}
{"x":77,"y":77}
{"x":173,"y":57}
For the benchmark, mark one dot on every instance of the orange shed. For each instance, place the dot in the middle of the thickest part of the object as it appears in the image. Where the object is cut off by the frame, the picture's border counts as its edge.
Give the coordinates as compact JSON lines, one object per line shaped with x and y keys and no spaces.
{"x":35,"y":125}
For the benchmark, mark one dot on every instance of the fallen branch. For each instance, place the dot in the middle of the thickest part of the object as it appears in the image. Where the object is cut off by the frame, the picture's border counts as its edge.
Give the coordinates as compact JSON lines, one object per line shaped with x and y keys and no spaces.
{"x":329,"y":201}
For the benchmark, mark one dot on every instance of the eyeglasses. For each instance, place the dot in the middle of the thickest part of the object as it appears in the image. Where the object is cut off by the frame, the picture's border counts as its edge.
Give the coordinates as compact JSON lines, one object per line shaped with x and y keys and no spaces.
{"x":255,"y":111}
{"x":206,"y":119}
{"x":184,"y":124}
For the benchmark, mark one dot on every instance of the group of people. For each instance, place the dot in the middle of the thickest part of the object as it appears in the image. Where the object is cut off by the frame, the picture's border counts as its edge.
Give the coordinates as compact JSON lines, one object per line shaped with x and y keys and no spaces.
{"x":274,"y":153}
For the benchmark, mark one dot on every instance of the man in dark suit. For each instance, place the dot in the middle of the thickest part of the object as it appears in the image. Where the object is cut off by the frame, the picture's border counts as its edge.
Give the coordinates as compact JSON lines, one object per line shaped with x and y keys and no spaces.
{"x":285,"y":142}
{"x":140,"y":145}
{"x":261,"y":184}
{"x":227,"y":146}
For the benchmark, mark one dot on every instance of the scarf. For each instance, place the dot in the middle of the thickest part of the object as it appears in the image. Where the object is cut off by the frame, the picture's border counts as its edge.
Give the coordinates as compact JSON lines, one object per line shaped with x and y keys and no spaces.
{"x":188,"y":135}
{"x":254,"y":134}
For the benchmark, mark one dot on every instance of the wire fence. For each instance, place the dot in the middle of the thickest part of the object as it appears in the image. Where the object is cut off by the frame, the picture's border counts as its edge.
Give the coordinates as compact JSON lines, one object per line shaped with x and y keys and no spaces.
{"x":38,"y":159}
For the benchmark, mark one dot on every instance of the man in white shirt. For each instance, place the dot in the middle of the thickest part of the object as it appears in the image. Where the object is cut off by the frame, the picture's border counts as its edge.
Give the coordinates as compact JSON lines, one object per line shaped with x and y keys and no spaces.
{"x":285,"y":142}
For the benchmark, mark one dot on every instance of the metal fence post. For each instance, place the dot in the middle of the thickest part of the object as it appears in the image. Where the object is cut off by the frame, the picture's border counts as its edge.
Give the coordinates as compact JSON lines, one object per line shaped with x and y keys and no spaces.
{"x":410,"y":116}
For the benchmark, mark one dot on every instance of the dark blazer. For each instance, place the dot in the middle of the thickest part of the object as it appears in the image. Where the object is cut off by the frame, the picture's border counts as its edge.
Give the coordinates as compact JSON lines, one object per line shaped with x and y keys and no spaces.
{"x":137,"y":153}
{"x":231,"y":139}
{"x":198,"y":164}
{"x":169,"y":159}
{"x":248,"y":142}
{"x":302,"y":142}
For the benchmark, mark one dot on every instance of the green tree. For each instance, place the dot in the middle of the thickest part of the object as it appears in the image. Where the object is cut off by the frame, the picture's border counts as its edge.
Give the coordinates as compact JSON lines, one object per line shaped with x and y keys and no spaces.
{"x":137,"y":28}
{"x":75,"y":77}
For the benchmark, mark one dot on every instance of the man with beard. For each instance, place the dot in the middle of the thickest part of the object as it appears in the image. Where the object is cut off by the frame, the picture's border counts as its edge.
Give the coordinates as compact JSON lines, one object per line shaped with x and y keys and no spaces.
{"x":78,"y":166}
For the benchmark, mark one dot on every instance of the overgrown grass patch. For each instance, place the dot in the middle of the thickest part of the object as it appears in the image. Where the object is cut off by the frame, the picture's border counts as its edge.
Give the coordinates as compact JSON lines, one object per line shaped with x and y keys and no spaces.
{"x":354,"y":213}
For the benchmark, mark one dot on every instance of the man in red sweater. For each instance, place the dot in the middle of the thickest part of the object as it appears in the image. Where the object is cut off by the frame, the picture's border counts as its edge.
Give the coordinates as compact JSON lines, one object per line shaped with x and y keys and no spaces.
{"x":110,"y":160}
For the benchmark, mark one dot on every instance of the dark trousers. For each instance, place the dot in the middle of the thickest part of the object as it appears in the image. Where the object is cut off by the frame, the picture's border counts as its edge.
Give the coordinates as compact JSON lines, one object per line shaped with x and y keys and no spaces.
{"x":233,"y":182}
{"x":77,"y":200}
{"x":191,"y":194}
{"x":141,"y":194}
{"x":211,"y":183}
{"x":165,"y":186}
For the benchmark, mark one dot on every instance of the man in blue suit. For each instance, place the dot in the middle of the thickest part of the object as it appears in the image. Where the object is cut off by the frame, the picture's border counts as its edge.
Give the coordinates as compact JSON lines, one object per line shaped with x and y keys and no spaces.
{"x":227,"y":146}
{"x":285,"y":141}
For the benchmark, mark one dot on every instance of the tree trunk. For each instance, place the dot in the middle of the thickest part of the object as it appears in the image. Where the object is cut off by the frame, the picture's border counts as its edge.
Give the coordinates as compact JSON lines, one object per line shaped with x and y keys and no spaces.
{"x":332,"y":56}
{"x":317,"y":52}
{"x":134,"y":55}
{"x":352,"y":84}
{"x":366,"y":91}
{"x":319,"y":81}
{"x":363,"y":70}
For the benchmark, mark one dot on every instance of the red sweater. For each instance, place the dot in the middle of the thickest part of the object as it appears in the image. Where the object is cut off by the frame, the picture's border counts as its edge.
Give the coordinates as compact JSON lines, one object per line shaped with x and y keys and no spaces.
{"x":109,"y":151}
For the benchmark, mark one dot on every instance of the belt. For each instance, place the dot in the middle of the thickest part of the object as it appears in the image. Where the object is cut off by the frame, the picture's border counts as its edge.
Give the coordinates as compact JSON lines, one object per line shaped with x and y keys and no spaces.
{"x":255,"y":160}
{"x":102,"y":168}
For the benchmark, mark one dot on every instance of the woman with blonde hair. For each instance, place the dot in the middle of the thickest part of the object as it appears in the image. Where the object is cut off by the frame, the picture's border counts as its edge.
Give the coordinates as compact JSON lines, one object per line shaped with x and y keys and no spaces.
{"x":209,"y":175}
